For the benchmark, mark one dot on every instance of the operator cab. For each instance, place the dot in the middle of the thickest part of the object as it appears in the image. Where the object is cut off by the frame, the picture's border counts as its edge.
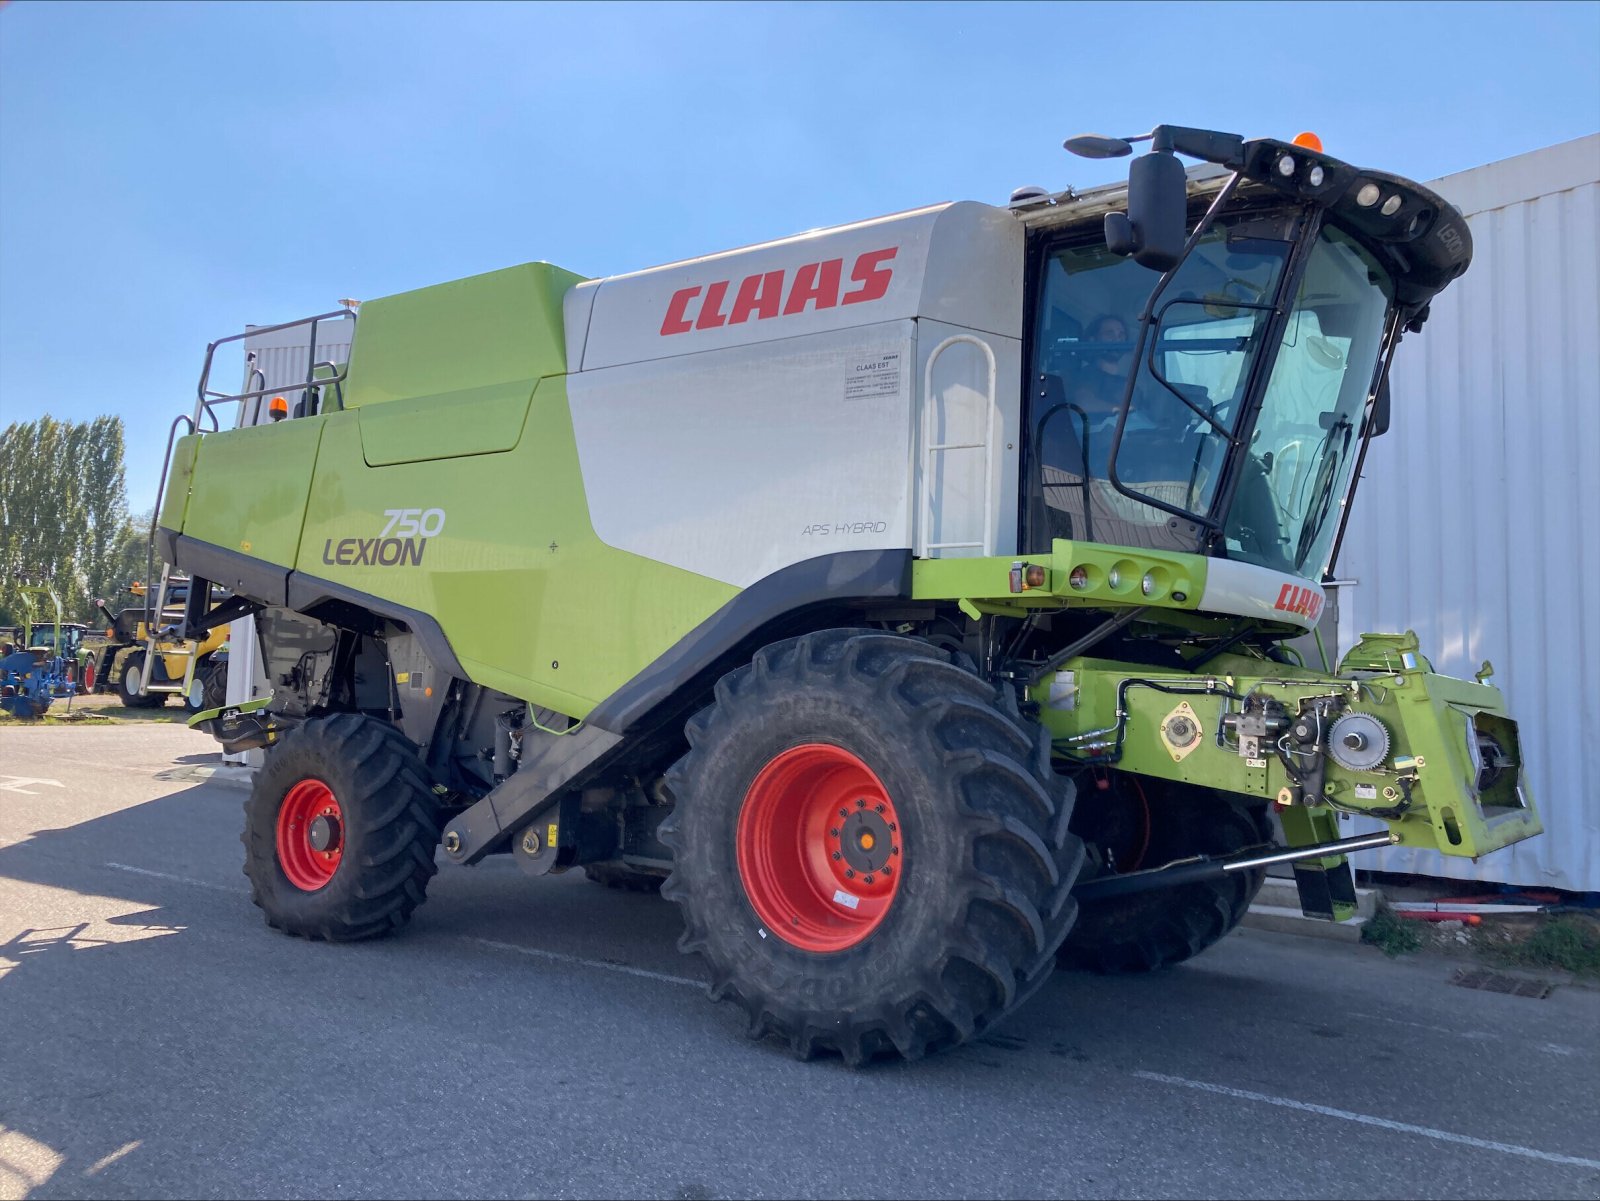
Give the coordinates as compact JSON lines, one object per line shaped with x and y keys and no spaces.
{"x":1214,"y":393}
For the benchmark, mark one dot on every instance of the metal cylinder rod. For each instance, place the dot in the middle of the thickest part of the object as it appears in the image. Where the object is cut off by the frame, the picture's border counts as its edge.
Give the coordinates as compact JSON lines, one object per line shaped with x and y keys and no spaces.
{"x":1191,"y":870}
{"x":1361,"y":842}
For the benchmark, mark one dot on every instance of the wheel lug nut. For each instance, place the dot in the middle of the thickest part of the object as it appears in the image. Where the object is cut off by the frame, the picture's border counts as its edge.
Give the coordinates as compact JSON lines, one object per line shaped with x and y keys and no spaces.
{"x":836,"y":855}
{"x":869,"y":879}
{"x":834,"y":832}
{"x":894,"y":850}
{"x":844,"y":813}
{"x":849,"y":873}
{"x":892,"y":826}
{"x":881,"y":806}
{"x":861,"y":802}
{"x":887,"y":868}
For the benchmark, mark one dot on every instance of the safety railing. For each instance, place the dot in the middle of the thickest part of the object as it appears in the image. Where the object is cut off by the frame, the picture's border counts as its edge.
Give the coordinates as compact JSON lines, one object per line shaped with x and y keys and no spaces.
{"x":208,"y":398}
{"x":205,"y":420}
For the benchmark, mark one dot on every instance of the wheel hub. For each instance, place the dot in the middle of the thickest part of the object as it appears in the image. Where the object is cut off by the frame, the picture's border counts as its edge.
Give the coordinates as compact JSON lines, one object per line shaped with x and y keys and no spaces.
{"x":324,"y":833}
{"x":310,"y":835}
{"x":865,"y":841}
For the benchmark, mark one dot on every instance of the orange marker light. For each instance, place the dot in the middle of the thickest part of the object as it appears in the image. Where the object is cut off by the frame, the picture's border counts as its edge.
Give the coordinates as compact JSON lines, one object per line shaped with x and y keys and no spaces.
{"x":278,"y":407}
{"x":1309,"y":140}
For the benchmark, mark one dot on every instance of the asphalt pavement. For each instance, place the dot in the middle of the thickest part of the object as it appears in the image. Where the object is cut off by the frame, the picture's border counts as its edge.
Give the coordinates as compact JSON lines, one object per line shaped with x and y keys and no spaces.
{"x":544,"y":1038}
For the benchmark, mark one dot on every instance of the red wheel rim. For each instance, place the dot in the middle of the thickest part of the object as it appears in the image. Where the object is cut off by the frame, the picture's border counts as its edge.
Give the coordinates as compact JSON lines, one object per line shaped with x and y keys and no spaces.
{"x":819,"y":848}
{"x":310,"y":835}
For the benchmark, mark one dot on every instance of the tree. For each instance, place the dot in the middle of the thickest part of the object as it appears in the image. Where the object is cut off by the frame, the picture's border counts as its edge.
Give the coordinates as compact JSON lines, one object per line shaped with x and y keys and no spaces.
{"x":106,"y":508}
{"x":63,"y":511}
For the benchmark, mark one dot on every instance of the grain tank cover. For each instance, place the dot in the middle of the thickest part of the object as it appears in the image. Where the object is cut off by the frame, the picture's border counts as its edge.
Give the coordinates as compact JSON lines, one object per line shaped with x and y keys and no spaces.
{"x":468,"y":352}
{"x":482,"y":331}
{"x":956,"y":263}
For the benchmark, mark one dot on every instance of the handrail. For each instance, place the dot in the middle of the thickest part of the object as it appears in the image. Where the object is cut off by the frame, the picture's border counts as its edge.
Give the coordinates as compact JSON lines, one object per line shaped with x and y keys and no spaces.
{"x":335,"y":379}
{"x":206,"y":397}
{"x":155,"y":514}
{"x":930,"y":448}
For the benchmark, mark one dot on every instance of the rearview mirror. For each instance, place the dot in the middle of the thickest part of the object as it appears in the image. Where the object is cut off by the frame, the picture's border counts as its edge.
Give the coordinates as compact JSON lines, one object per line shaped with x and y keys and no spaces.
{"x":1153,"y":229}
{"x":1380,"y":410}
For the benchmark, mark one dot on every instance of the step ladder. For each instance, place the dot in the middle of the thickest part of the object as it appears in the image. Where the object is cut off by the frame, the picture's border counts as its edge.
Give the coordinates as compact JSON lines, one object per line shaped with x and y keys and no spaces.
{"x":156,"y":631}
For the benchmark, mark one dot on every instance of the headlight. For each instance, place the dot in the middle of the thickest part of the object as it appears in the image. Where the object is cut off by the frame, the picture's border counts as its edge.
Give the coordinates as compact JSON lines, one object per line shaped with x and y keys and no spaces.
{"x":1368,"y":195}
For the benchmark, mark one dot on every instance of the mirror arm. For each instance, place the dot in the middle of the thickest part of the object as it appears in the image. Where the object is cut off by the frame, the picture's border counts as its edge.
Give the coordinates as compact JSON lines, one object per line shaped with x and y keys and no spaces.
{"x":1208,"y":145}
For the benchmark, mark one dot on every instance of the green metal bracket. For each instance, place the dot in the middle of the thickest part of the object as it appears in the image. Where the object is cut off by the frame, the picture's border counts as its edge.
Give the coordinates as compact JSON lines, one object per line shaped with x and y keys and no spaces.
{"x":1327,"y":886}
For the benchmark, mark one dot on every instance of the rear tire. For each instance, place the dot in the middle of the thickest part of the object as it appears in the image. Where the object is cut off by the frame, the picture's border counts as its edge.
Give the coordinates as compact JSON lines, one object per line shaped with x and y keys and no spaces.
{"x":128,"y":683}
{"x":370,"y":867}
{"x":1147,"y":823}
{"x":919,"y":754}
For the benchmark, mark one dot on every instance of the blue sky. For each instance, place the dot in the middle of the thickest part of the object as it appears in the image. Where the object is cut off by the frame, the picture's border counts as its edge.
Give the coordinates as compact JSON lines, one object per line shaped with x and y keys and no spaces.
{"x":171,"y":172}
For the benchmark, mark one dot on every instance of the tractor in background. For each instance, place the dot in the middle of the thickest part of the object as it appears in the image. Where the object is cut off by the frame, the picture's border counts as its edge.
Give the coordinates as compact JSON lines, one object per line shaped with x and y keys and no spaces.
{"x":38,"y":661}
{"x":195,"y":671}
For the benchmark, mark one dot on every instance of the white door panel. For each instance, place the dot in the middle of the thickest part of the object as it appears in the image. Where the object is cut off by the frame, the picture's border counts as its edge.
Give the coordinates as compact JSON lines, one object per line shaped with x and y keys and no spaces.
{"x":734,"y":463}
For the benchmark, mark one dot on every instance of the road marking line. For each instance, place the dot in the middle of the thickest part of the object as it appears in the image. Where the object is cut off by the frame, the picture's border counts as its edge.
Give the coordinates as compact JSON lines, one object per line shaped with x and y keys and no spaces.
{"x":144,"y":871}
{"x":1368,"y":1120}
{"x":1475,"y":1035}
{"x":16,"y":784}
{"x":604,"y":964}
{"x":105,"y":1161}
{"x":1453,"y":1033}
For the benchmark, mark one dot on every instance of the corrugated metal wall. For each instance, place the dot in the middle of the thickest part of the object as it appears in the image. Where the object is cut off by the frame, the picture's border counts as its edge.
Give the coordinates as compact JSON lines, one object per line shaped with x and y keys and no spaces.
{"x":1477,"y":522}
{"x":282,"y":356}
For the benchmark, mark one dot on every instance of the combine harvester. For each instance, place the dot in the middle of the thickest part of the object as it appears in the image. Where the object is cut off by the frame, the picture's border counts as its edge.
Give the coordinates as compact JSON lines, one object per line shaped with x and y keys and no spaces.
{"x":911,"y":596}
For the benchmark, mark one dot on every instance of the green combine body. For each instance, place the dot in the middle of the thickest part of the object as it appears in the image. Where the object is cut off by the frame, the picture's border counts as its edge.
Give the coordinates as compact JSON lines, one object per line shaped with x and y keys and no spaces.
{"x":912,"y":598}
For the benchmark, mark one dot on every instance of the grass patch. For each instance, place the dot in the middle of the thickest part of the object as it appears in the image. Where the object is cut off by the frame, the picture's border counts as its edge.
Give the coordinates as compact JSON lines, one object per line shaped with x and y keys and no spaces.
{"x":1568,"y":942}
{"x":1390,"y":934}
{"x":107,"y":715}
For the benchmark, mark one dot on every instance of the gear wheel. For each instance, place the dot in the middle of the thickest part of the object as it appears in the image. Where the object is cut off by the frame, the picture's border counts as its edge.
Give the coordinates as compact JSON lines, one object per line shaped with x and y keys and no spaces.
{"x":1358,"y":742}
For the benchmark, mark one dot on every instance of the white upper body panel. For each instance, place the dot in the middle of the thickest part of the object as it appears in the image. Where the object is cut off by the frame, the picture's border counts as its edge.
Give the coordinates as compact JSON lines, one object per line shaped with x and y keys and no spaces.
{"x":850,"y":389}
{"x":956,"y":263}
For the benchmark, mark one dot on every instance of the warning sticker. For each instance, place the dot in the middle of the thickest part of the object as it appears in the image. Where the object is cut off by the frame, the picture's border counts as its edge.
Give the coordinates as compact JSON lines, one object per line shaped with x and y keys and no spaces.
{"x":877,"y":376}
{"x":1366,"y":792}
{"x":841,"y":897}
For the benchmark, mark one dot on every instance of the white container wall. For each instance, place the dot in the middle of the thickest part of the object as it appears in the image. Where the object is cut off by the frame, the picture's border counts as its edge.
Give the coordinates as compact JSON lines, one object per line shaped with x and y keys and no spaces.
{"x":1477,"y":522}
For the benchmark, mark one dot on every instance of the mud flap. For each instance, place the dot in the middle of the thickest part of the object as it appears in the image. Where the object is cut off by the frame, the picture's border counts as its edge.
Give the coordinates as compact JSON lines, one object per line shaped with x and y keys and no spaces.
{"x":1327,"y":886}
{"x":1326,"y":892}
{"x":245,"y":727}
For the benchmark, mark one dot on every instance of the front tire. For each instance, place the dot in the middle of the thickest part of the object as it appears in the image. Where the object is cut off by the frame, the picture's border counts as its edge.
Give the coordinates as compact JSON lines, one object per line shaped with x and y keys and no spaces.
{"x":872,"y":853}
{"x":340,"y":830}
